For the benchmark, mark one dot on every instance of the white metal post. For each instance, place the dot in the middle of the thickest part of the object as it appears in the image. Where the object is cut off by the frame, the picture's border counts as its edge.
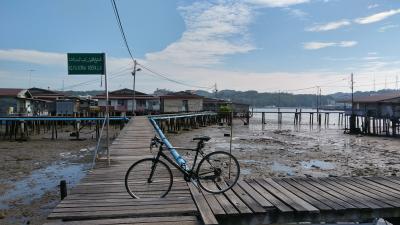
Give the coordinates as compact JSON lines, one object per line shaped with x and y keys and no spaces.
{"x":107,"y":110}
{"x":134,"y":88}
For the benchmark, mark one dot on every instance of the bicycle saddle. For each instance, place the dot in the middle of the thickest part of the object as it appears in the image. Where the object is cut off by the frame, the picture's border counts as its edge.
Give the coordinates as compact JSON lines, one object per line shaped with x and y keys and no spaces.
{"x":202,"y":138}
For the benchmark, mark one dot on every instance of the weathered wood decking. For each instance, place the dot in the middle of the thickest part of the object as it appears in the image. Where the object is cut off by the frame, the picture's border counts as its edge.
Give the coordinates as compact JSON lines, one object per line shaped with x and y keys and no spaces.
{"x":101,"y":197}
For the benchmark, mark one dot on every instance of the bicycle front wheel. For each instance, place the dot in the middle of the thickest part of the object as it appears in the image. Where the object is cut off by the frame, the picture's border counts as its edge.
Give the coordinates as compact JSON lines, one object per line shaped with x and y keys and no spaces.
{"x":148,"y":178}
{"x":218,"y":172}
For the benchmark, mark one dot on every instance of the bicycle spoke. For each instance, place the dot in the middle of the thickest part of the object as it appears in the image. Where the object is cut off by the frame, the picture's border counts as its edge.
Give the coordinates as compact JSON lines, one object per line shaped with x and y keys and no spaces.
{"x":147,"y":178}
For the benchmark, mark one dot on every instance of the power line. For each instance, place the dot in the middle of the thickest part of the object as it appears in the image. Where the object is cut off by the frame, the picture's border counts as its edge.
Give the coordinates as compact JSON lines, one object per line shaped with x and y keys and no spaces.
{"x":172,"y":80}
{"x":118,"y":73}
{"x":121,"y":29}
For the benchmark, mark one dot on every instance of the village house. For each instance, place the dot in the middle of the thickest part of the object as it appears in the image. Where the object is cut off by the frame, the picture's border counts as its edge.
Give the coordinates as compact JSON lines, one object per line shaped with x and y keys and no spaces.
{"x":121,"y":102}
{"x":15,"y":101}
{"x":378,"y":106}
{"x":183,"y":101}
{"x":215,"y":104}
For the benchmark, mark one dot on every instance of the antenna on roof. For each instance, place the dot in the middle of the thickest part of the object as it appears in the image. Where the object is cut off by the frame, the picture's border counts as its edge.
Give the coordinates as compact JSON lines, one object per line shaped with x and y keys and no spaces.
{"x":215,"y":90}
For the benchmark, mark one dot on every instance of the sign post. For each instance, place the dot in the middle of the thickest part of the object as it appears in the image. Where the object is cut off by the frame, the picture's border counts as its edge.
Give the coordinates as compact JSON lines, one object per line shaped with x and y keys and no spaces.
{"x":91,"y":64}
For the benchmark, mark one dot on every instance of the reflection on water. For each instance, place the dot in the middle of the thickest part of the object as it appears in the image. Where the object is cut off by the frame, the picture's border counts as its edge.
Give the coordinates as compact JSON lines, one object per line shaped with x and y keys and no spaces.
{"x":42,"y":181}
{"x":318,"y":164}
{"x":278,"y":167}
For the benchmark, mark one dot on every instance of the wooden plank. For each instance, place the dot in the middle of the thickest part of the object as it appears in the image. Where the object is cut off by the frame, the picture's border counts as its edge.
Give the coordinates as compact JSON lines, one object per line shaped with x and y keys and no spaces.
{"x":250,"y":202}
{"x":377,"y":186}
{"x":206,"y":213}
{"x":99,"y":214}
{"x":235,"y":200}
{"x":184,"y":220}
{"x":378,"y":195}
{"x":349,"y":202}
{"x":286,"y":196}
{"x":335,"y":203}
{"x":303,"y":193}
{"x":224,"y":202}
{"x":267,"y":195}
{"x":85,"y":208}
{"x":385,"y":181}
{"x":212,"y":201}
{"x":255,"y":195}
{"x":370,"y":202}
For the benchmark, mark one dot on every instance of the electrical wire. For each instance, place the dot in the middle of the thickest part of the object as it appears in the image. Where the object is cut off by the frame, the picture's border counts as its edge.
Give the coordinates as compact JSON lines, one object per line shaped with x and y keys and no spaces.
{"x":172,"y":80}
{"x":121,"y":29}
{"x":118,"y":73}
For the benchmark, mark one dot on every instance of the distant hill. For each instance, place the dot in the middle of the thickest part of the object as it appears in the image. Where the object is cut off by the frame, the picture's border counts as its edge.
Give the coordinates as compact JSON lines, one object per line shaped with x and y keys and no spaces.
{"x":263,"y":99}
{"x":83,"y":93}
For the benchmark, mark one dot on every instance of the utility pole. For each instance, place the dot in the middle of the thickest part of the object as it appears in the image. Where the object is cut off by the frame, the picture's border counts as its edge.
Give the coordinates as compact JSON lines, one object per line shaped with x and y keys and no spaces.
{"x":397,"y":82}
{"x":30,"y":78}
{"x":352,"y":117}
{"x":134,"y":87}
{"x":318,"y":102}
{"x":215,"y":90}
{"x":279,"y":100}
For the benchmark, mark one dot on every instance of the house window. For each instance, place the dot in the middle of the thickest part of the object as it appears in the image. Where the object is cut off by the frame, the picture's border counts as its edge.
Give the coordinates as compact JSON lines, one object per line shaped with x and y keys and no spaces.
{"x":141,"y":102}
{"x":185,"y":106}
{"x":121,"y":102}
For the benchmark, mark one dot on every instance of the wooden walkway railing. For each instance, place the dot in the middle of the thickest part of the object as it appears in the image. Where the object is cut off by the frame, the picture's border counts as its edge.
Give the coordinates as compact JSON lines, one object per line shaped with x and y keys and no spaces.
{"x":102,"y":199}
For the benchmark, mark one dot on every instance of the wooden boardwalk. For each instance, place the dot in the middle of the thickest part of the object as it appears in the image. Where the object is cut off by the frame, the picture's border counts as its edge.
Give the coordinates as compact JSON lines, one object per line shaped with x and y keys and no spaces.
{"x":284,"y":200}
{"x":101,"y":198}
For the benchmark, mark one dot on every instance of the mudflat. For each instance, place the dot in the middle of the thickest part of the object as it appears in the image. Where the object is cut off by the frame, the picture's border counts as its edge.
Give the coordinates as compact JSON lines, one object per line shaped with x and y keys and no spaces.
{"x":272,"y":151}
{"x":30,"y":172}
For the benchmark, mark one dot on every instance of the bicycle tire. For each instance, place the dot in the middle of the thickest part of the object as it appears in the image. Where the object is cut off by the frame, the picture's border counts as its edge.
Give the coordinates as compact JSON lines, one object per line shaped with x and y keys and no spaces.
{"x":218,"y":186}
{"x":137,"y":183}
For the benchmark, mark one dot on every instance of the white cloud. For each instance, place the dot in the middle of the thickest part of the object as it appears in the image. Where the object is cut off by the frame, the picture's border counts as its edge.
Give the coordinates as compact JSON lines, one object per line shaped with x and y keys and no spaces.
{"x":33,"y":56}
{"x":297,"y":13}
{"x":377,"y":17}
{"x":212,"y":32}
{"x":54,"y":58}
{"x":347,"y":44}
{"x":317,"y":45}
{"x":387,"y":27}
{"x":277,"y":3}
{"x":371,"y":6}
{"x":329,"y":26}
{"x":320,"y":45}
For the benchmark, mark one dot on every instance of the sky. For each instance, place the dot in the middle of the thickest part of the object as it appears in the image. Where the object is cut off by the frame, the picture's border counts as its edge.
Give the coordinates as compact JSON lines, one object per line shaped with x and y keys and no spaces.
{"x":294,"y":46}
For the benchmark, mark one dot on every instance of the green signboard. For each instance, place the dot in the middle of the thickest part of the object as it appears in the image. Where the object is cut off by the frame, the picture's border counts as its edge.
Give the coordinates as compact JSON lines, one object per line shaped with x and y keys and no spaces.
{"x":86,"y":63}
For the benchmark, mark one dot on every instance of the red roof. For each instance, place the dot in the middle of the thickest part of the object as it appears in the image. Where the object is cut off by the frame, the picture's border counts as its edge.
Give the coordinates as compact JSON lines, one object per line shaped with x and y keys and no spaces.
{"x":13,"y":92}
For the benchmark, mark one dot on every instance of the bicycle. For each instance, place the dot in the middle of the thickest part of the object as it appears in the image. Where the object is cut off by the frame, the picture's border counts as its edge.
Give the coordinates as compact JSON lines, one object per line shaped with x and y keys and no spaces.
{"x":216,"y":172}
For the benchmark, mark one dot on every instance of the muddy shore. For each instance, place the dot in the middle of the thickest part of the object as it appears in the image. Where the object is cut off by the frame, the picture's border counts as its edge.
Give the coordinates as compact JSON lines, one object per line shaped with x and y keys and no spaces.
{"x":31,"y":170}
{"x":272,"y":151}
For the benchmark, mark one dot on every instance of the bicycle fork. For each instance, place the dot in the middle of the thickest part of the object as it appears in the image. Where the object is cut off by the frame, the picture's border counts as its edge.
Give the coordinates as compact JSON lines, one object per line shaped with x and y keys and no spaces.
{"x":153,"y":168}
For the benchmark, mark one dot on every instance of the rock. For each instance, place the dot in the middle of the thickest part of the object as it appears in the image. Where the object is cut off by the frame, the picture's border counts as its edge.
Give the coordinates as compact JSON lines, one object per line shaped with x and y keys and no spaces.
{"x":332,"y":175}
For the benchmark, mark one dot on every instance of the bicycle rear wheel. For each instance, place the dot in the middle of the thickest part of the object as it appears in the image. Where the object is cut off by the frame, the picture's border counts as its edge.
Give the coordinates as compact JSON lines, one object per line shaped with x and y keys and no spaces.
{"x":148,"y":178}
{"x":218,"y":172}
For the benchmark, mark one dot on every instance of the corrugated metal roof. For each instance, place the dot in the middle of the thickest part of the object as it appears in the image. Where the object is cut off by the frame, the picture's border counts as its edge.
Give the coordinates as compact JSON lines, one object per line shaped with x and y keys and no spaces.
{"x":373,"y":98}
{"x":181,"y":94}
